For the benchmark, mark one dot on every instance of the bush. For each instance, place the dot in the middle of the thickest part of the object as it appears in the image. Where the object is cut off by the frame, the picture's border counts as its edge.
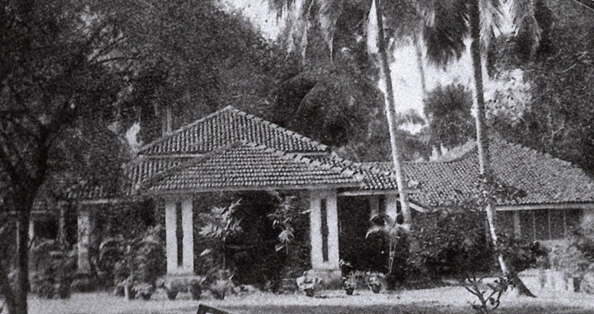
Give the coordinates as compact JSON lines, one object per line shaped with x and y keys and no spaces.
{"x":450,"y":242}
{"x":54,"y":266}
{"x":134,"y":263}
{"x":575,"y":256}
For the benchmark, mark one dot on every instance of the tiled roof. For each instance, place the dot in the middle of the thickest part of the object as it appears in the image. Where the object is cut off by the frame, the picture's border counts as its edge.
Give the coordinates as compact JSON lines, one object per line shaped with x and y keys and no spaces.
{"x":543,"y":178}
{"x":146,"y":167}
{"x":227,"y":126}
{"x":244,"y":165}
{"x":374,"y":178}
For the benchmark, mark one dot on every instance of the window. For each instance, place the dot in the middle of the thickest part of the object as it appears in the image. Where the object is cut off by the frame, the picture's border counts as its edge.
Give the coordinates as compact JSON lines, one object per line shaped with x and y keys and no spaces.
{"x":548,"y":224}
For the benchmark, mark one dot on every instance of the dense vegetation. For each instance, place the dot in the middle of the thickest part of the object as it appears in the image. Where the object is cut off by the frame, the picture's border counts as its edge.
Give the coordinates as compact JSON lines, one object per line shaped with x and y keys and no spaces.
{"x":75,"y":76}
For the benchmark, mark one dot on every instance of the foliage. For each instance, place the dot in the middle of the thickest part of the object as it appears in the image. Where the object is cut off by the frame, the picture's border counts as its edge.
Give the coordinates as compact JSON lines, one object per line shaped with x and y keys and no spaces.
{"x":218,"y":226}
{"x":559,"y":114}
{"x":576,"y":256}
{"x":57,"y":68}
{"x":53,"y":269}
{"x":451,"y":242}
{"x":185,"y":63}
{"x":134,"y":262}
{"x":448,"y":113}
{"x":284,"y":218}
{"x":489,"y":299}
{"x":521,"y":255}
{"x":391,"y":229}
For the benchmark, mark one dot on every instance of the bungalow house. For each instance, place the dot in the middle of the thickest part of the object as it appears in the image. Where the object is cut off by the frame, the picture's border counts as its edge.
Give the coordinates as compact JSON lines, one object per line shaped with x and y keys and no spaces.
{"x":552,"y":197}
{"x":230,"y":150}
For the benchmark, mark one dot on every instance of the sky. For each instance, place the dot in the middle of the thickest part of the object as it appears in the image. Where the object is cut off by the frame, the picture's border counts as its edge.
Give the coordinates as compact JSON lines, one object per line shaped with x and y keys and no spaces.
{"x":406,"y":76}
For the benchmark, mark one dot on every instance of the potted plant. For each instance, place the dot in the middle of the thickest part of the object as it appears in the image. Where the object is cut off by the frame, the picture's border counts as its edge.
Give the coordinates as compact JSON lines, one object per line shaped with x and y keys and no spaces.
{"x":221,"y":284}
{"x":350,"y":283}
{"x":374,"y":281}
{"x":308,"y":284}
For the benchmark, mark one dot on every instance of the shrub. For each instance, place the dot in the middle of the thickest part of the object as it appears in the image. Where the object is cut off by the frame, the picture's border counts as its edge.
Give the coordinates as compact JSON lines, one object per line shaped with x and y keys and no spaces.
{"x":450,"y":242}
{"x":54,"y":266}
{"x":575,"y":256}
{"x":134,"y":263}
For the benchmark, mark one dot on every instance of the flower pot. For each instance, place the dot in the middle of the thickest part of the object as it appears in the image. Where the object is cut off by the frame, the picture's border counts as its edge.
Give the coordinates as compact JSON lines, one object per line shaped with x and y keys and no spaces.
{"x":129,"y":292}
{"x":218,"y":294}
{"x":146,"y":295}
{"x":171,"y":294}
{"x":375,"y":288}
{"x":349,"y":290}
{"x":309,"y":292}
{"x":195,"y":290}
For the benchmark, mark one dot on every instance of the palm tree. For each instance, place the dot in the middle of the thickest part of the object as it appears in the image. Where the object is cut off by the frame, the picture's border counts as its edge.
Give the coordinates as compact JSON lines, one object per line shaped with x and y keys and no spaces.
{"x":450,"y":22}
{"x":391,"y":117}
{"x":325,"y":17}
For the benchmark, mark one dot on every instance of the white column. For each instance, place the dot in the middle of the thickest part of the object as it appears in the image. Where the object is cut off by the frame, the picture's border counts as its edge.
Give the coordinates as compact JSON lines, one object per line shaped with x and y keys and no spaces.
{"x":186,"y":265}
{"x":373,"y":206}
{"x":84,"y":226}
{"x":315,"y":231}
{"x":391,"y":205}
{"x":517,"y":225}
{"x":31,"y":228}
{"x":332,"y":223}
{"x":316,"y":236}
{"x":587,"y":217}
{"x":188,"y":232}
{"x":170,"y":235}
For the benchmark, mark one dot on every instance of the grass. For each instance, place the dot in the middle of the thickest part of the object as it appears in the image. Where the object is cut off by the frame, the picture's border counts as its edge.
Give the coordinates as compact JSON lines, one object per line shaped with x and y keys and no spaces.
{"x":443,"y":300}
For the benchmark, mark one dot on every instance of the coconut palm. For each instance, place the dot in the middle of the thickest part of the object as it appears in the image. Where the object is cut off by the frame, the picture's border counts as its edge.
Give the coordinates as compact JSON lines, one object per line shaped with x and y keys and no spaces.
{"x":327,"y":17}
{"x":449,"y":24}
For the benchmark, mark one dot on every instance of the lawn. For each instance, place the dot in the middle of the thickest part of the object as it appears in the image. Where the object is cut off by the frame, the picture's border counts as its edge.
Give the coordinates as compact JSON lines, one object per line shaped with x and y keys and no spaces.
{"x":443,"y":300}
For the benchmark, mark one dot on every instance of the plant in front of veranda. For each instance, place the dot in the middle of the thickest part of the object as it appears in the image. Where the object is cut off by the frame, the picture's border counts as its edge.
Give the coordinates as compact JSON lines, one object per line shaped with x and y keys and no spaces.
{"x":134,"y":264}
{"x":575,"y":258}
{"x":219,"y":225}
{"x":53,"y":266}
{"x":395,"y":235}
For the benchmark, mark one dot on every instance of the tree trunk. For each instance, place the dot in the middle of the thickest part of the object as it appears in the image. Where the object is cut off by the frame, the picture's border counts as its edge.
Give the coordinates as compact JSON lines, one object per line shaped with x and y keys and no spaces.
{"x":419,"y":51}
{"x":391,"y":116}
{"x":482,"y":140}
{"x":21,"y":288}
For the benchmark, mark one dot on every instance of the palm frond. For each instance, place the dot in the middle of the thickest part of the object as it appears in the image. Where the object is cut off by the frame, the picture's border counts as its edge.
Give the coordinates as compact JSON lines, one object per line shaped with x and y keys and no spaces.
{"x":525,"y":23}
{"x":445,"y":35}
{"x":491,"y":17}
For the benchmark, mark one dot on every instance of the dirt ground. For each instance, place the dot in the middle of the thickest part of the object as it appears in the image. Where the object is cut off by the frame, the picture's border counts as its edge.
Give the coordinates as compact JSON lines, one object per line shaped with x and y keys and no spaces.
{"x":438,"y":300}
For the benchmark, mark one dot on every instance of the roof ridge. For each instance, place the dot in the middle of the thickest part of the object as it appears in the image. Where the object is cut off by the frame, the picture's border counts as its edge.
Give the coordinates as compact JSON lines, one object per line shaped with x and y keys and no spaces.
{"x":313,"y":163}
{"x":185,"y":127}
{"x":542,"y":153}
{"x":234,"y":110}
{"x":280,"y":128}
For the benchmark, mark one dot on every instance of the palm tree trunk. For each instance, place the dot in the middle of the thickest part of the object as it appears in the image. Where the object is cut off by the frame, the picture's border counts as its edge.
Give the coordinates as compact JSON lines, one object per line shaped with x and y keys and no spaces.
{"x":391,"y":116}
{"x":418,"y":42}
{"x":482,"y":139}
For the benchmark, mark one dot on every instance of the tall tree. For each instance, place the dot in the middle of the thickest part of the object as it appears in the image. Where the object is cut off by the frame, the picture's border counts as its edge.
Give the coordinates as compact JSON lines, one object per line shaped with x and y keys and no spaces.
{"x":449,"y":24}
{"x":58,"y":65}
{"x":391,"y":117}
